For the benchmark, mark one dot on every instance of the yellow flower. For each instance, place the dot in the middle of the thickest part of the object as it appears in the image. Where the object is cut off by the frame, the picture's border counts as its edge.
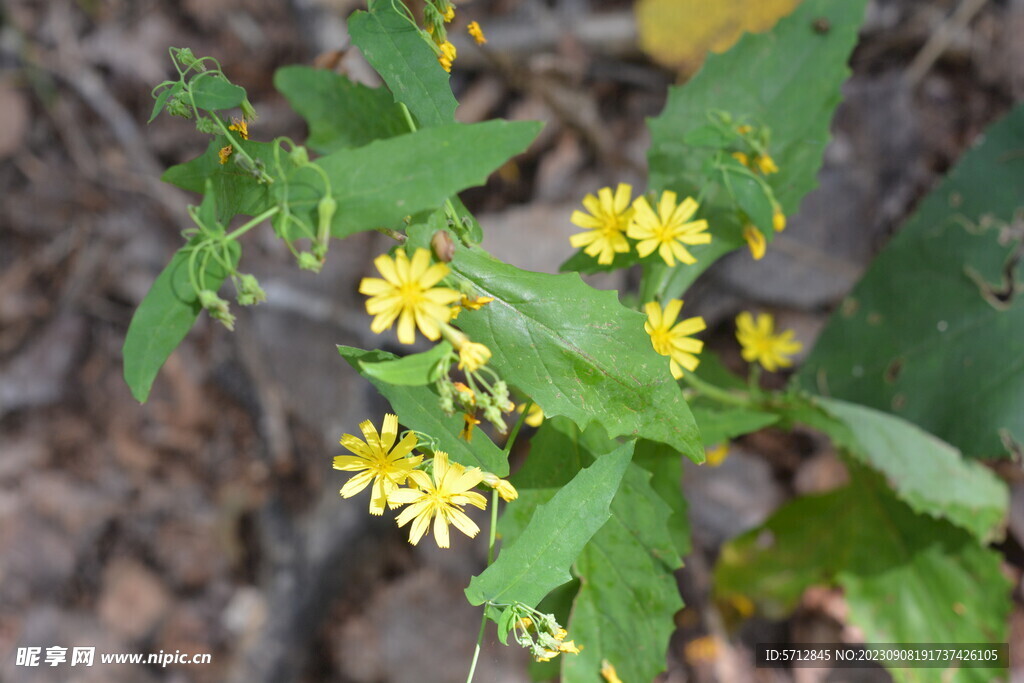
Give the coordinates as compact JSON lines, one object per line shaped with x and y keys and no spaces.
{"x":225,"y":153}
{"x":608,"y":672}
{"x":701,"y":650}
{"x":505,"y":488}
{"x":673,"y":339}
{"x":668,"y":229}
{"x":765,"y":164}
{"x":606,"y":223}
{"x":376,"y":460}
{"x":755,"y":240}
{"x":448,"y":54}
{"x":240,"y":127}
{"x":440,"y":498}
{"x":473,"y":356}
{"x":744,"y":129}
{"x":715,"y":455}
{"x":466,"y":394}
{"x":742,"y":158}
{"x":535,"y":417}
{"x":407,"y":293}
{"x":477,"y":33}
{"x":569,"y":646}
{"x":778,"y":218}
{"x":449,"y":14}
{"x":467,"y":431}
{"x":470,"y":304}
{"x":762,"y":345}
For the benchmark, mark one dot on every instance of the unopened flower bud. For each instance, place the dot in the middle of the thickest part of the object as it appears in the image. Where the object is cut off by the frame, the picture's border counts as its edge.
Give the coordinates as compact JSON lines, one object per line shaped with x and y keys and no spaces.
{"x":308,"y":261}
{"x":248,"y":111}
{"x":249,"y":290}
{"x":299,"y":156}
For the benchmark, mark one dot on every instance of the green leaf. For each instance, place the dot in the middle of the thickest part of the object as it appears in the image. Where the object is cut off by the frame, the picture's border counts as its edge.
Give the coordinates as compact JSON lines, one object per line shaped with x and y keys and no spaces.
{"x":577,"y":352}
{"x":237,"y":191}
{"x":539,"y":560}
{"x":164,"y":317}
{"x":933,"y":331}
{"x":787,"y":79}
{"x":173,"y":88}
{"x":748,"y":194}
{"x":414,"y":370}
{"x":907,"y":578}
{"x":213,"y":92}
{"x":719,"y":426}
{"x":666,"y":468}
{"x":381,"y":183}
{"x":417,"y":408}
{"x":628,"y":593}
{"x":398,"y":51}
{"x":926,"y":473}
{"x":339,"y":112}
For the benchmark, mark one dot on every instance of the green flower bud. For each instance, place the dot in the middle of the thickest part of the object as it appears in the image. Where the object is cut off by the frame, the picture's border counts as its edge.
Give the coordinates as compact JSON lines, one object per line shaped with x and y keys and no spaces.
{"x":447,"y":405}
{"x":325,"y":210}
{"x":248,"y":111}
{"x":309,"y":262}
{"x":249,"y":290}
{"x":217,"y":308}
{"x":299,"y":156}
{"x":207,"y":125}
{"x":187,"y":58}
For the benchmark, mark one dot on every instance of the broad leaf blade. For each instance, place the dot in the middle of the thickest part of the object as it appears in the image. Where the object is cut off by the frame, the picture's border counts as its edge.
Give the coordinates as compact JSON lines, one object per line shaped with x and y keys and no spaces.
{"x":417,"y":408}
{"x":162,"y":320}
{"x":925,"y":335}
{"x":212,"y":92}
{"x":399,"y":53}
{"x":414,"y":370}
{"x":539,"y":560}
{"x":340,"y":113}
{"x":577,"y":352}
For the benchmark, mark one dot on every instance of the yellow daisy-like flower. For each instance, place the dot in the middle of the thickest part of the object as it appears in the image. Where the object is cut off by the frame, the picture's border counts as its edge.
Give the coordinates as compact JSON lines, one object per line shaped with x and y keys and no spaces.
{"x":755,"y":240}
{"x":377,"y":459}
{"x":447,"y":56}
{"x":240,"y":127}
{"x":504,"y":487}
{"x":606,"y":223}
{"x":477,"y":32}
{"x":440,"y":498}
{"x":668,"y":229}
{"x":778,"y":218}
{"x":608,"y":672}
{"x":761,"y":344}
{"x":473,"y":356}
{"x":535,"y":417}
{"x":225,"y":153}
{"x":673,"y":339}
{"x":407,"y":293}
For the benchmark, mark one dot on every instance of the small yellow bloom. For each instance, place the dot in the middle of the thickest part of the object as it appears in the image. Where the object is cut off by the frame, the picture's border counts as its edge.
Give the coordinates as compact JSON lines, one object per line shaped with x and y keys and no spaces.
{"x":778,"y":218}
{"x":608,"y":672}
{"x":715,"y":455}
{"x":449,"y":14}
{"x":606,"y":223}
{"x":473,"y":356}
{"x":225,"y":153}
{"x":535,"y":417}
{"x":477,"y":33}
{"x":440,"y":498}
{"x":407,"y":293}
{"x":761,"y":344}
{"x":470,"y":304}
{"x":377,"y":461}
{"x":673,"y":339}
{"x":467,"y":431}
{"x":765,"y":164}
{"x":545,"y":655}
{"x":569,"y":646}
{"x":525,"y":623}
{"x":742,"y":158}
{"x":240,"y":127}
{"x":668,"y":229}
{"x":743,"y":605}
{"x":504,"y":487}
{"x":448,"y":54}
{"x":701,"y":650}
{"x":755,"y":240}
{"x":466,"y":394}
{"x":744,"y":129}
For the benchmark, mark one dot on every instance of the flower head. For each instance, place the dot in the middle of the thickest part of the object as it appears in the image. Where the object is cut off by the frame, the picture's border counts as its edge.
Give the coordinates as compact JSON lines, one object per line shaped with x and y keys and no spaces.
{"x":755,"y":240}
{"x":473,"y":356}
{"x":448,"y":54}
{"x":778,"y":218}
{"x":470,"y":304}
{"x":504,"y":487}
{"x":477,"y":33}
{"x":469,"y":421}
{"x":240,"y":127}
{"x":377,"y":459}
{"x":608,"y":672}
{"x":606,"y":223}
{"x":407,"y":293}
{"x":224,"y":153}
{"x":765,"y":164}
{"x":449,"y":13}
{"x":440,"y":498}
{"x":761,"y":344}
{"x":715,"y":455}
{"x":534,"y":417}
{"x":672,"y":339}
{"x":668,"y":229}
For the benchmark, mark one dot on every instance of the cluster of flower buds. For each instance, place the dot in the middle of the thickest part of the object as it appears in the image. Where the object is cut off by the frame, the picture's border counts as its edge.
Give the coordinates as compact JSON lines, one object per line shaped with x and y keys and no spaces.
{"x":540,"y":633}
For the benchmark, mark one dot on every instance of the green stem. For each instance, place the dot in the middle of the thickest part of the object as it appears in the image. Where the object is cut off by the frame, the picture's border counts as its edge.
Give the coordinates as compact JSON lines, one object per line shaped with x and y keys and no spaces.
{"x":716,"y":393}
{"x":235,"y":234}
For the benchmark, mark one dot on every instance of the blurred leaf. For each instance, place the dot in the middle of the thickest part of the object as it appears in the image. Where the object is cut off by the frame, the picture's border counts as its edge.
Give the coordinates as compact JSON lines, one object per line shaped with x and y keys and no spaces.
{"x":213,"y":92}
{"x":719,"y":426}
{"x":539,"y":560}
{"x":417,"y":408}
{"x":933,"y":332}
{"x":679,"y":33}
{"x":164,"y":317}
{"x":399,"y":52}
{"x":161,"y":99}
{"x":577,"y":352}
{"x":788,"y":80}
{"x":381,"y":183}
{"x":907,"y":578}
{"x":414,"y":370}
{"x":339,"y":112}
